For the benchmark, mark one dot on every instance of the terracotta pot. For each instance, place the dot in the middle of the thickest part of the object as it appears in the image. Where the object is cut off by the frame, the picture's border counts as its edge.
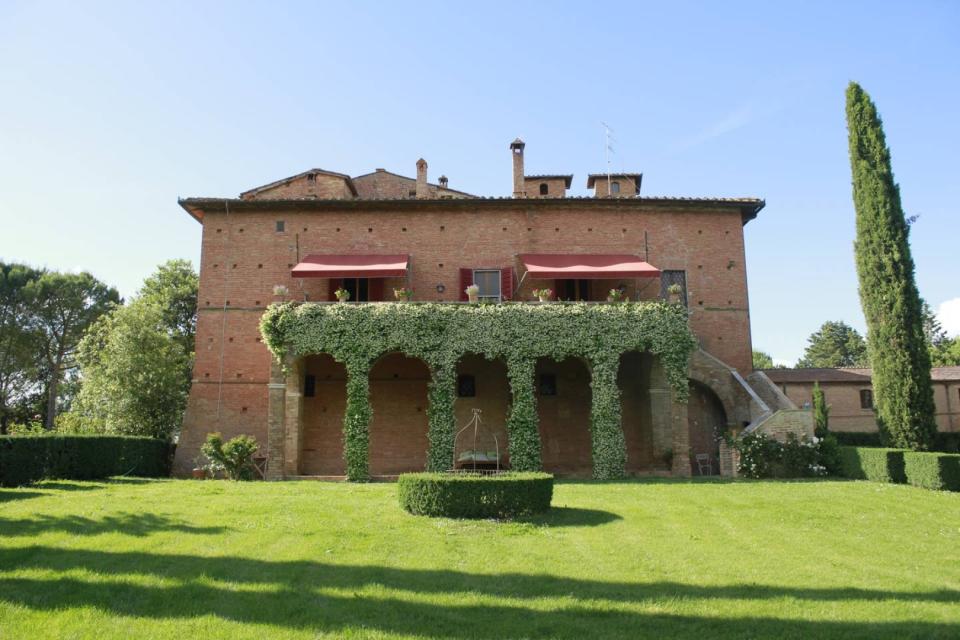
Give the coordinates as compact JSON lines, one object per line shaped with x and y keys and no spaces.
{"x":199,"y":474}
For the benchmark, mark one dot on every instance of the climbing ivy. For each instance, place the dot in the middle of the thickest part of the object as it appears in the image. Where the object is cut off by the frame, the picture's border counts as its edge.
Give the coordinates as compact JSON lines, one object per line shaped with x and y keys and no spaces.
{"x":440,"y":334}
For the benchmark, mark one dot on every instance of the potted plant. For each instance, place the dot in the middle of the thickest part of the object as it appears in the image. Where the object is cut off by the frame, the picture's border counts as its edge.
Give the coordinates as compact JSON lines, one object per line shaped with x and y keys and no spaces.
{"x":616,"y":295}
{"x":342,"y":294}
{"x":473,"y":293}
{"x":543,"y":295}
{"x":199,"y":470}
{"x":674,"y":292}
{"x":280,"y":292}
{"x":403,"y":294}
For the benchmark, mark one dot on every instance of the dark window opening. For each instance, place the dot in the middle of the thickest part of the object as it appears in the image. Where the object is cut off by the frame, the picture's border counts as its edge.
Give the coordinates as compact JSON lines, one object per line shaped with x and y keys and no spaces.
{"x":670,"y":278}
{"x":543,"y":189}
{"x":466,"y":386}
{"x":866,"y":399}
{"x":359,"y":289}
{"x":547,"y":385}
{"x":573,"y":290}
{"x":309,"y":386}
{"x":280,"y":226}
{"x":615,"y":187}
{"x":311,"y":177}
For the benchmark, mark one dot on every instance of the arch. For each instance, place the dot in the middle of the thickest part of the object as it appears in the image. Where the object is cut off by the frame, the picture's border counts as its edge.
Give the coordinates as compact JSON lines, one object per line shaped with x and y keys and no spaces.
{"x":398,"y":427}
{"x":544,"y":189}
{"x":636,"y":411}
{"x":716,"y":376}
{"x":324,"y":388}
{"x":706,"y":419}
{"x":491,"y":394}
{"x":564,"y":400}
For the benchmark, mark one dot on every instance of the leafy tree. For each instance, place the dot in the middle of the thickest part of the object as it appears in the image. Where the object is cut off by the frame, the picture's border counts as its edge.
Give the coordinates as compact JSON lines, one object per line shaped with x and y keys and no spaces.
{"x":65,"y":305}
{"x":835,"y":344}
{"x":132,"y":369}
{"x":821,"y":412}
{"x":888,"y":292}
{"x":944,"y":351}
{"x":19,"y":386}
{"x":947,"y":354}
{"x":173,"y":288}
{"x":762,"y":360}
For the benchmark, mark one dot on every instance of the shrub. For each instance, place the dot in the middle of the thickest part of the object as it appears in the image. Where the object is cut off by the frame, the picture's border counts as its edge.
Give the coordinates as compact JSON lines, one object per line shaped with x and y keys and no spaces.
{"x":858,"y":438}
{"x":932,"y":470}
{"x":872,"y":463}
{"x":947,"y":442}
{"x":457,"y":495}
{"x":234,"y":457}
{"x":27,"y":459}
{"x":764,"y":457}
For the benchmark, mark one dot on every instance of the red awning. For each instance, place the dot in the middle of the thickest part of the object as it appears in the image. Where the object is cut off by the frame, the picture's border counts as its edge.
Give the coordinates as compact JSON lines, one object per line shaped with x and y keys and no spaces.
{"x":360,"y":266}
{"x":586,"y":266}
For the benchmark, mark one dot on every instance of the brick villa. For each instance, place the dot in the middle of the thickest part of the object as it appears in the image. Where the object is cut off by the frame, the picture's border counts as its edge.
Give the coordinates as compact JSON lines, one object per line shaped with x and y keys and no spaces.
{"x":318,"y":231}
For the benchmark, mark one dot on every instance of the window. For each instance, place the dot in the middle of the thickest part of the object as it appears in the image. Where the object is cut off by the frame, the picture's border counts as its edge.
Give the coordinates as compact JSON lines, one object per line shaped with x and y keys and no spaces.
{"x":489,"y":282}
{"x":311,"y":177}
{"x":466,"y":386}
{"x":573,"y":290}
{"x":866,"y":399}
{"x":543,"y":188}
{"x":309,"y":386}
{"x":547,"y":384}
{"x":359,"y":289}
{"x":615,"y":187}
{"x":280,"y":226}
{"x":668,"y":279}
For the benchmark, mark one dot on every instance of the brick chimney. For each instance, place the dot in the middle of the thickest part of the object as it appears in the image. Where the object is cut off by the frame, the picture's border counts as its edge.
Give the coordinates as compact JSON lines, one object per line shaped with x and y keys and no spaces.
{"x":516,"y":150}
{"x":443,"y":181}
{"x":422,"y":190}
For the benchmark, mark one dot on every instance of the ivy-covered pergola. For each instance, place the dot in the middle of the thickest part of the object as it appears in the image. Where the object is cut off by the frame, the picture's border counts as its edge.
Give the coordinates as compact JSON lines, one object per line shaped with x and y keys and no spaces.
{"x":441,"y":333}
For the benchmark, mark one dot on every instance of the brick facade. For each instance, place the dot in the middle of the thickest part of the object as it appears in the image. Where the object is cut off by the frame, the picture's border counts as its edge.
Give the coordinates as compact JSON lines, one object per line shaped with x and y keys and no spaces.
{"x":251,"y":244}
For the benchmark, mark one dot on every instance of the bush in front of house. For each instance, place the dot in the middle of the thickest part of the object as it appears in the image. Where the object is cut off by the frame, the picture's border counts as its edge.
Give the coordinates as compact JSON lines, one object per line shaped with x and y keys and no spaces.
{"x":466,"y":495}
{"x":761,"y":456}
{"x":873,"y":463}
{"x":28,"y":459}
{"x":945,"y":442}
{"x":233,"y":457}
{"x":932,"y":470}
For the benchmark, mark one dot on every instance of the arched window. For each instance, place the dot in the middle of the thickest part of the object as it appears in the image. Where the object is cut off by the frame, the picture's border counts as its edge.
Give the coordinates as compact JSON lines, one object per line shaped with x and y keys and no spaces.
{"x":543,"y":188}
{"x":615,"y":187}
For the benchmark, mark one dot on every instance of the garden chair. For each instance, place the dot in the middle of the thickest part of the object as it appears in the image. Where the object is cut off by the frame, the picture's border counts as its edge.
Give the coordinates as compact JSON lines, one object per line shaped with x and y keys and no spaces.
{"x":704,"y":463}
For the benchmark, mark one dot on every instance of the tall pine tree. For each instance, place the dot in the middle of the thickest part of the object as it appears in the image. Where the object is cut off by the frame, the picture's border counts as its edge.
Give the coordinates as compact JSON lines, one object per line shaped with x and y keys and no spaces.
{"x":888,"y":292}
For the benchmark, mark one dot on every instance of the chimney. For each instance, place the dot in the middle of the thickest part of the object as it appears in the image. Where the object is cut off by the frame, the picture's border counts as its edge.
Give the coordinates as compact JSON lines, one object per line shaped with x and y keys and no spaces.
{"x":422,"y":191}
{"x":516,"y":150}
{"x":443,"y":181}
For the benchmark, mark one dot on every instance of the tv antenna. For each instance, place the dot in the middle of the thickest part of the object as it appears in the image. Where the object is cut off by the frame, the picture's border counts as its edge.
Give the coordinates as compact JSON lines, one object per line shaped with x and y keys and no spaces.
{"x":608,"y":141}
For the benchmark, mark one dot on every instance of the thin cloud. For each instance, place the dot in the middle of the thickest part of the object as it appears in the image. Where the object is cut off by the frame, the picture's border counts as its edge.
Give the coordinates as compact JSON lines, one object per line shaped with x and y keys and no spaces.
{"x":736,"y":119}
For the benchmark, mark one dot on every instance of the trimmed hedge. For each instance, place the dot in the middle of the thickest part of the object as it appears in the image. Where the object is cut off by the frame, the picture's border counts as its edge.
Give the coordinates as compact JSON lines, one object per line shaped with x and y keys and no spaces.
{"x":27,"y":459}
{"x":932,"y":470}
{"x":945,"y":442}
{"x":460,"y":495}
{"x":872,"y":463}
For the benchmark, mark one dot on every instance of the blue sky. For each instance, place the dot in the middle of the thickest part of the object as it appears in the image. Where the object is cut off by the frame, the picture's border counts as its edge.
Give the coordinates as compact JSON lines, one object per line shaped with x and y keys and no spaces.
{"x":111,"y":111}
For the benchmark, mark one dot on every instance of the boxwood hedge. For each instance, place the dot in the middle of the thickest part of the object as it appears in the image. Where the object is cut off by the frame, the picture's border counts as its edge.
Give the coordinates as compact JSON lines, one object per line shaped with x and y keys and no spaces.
{"x":872,"y":463}
{"x":932,"y":470}
{"x":27,"y":459}
{"x":464,"y":495}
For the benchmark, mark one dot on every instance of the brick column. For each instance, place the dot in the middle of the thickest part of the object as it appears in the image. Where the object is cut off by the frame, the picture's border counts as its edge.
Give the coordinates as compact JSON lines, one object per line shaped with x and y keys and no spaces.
{"x":661,"y":409}
{"x":442,"y":424}
{"x":681,"y":439}
{"x":293,"y":410}
{"x":275,"y":421}
{"x":523,"y":421}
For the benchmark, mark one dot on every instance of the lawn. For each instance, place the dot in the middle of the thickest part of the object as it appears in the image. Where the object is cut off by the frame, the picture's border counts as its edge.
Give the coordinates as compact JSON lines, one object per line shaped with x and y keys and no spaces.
{"x":187,"y":559}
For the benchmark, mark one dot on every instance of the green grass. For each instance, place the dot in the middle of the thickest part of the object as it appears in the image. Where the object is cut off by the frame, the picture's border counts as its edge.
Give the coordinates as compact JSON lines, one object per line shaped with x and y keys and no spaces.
{"x":186,"y":559}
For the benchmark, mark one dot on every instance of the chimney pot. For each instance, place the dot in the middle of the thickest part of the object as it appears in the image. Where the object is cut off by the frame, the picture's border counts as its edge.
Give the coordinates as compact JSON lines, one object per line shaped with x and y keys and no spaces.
{"x":422,"y":190}
{"x":516,"y":150}
{"x":443,"y":181}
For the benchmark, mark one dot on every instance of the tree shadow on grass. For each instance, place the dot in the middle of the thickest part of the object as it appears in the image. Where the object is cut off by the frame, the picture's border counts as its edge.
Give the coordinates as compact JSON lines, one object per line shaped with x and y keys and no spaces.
{"x":9,"y":495}
{"x":327,"y":598}
{"x":132,"y":524}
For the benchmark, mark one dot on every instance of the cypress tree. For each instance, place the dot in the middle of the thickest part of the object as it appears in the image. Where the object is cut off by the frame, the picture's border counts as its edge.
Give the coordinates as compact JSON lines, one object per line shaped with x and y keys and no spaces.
{"x":888,"y":293}
{"x":821,"y":412}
